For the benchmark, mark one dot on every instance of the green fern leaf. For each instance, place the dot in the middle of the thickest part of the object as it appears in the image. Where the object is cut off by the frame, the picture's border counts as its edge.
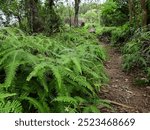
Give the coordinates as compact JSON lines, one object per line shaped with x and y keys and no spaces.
{"x":11,"y":69}
{"x":36,"y":104}
{"x":36,"y":69}
{"x":10,"y":107}
{"x":91,"y":108}
{"x":66,"y":99}
{"x":6,"y":95}
{"x":77,"y":63}
{"x":57,"y":74}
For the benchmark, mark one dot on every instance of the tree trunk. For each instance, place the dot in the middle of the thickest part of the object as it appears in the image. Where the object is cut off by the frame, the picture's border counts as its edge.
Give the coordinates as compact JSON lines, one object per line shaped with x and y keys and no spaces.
{"x":20,"y":21}
{"x":77,"y":2}
{"x":70,"y":18}
{"x":53,"y":22}
{"x":144,"y":12}
{"x":130,"y":5}
{"x":32,"y":15}
{"x":50,"y":3}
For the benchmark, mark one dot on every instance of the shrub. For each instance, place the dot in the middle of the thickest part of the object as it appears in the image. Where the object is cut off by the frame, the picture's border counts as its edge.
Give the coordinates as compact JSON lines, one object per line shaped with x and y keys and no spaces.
{"x":112,"y":14}
{"x":56,"y":74}
{"x":120,"y":34}
{"x":105,"y":33}
{"x":137,"y":54}
{"x":115,"y":35}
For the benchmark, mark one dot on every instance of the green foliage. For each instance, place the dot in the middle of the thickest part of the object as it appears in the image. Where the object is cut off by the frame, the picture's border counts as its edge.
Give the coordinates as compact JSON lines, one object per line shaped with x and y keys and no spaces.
{"x":10,"y":107}
{"x":91,"y":16}
{"x":115,"y":35}
{"x":137,"y":54}
{"x":112,"y":14}
{"x":120,"y":34}
{"x":105,"y":33}
{"x":8,"y":104}
{"x":86,"y":6}
{"x":52,"y":21}
{"x":63,"y":73}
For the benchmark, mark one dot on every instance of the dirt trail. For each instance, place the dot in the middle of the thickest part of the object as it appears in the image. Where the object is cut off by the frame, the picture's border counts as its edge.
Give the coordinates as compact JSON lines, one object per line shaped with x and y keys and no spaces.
{"x":124,"y":96}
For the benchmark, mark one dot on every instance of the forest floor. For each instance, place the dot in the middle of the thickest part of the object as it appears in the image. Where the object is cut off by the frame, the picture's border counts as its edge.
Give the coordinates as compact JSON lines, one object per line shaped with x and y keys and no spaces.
{"x":123,"y":94}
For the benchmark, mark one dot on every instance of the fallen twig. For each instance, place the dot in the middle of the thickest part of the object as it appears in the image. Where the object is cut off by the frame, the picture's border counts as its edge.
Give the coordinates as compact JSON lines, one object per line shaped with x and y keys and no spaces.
{"x":119,"y":104}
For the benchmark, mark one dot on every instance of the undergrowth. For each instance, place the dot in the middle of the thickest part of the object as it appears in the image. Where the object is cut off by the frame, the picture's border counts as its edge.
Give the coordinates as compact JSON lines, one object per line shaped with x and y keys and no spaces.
{"x":135,"y":46}
{"x":62,"y":73}
{"x":120,"y":35}
{"x":117,"y":36}
{"x":104,"y":34}
{"x":137,"y":55}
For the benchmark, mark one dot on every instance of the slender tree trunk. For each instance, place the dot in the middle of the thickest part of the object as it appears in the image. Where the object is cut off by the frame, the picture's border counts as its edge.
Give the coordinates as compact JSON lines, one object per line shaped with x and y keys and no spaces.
{"x":53,"y":22}
{"x":51,"y":3}
{"x":132,"y":14}
{"x":148,"y":17}
{"x":20,"y":21}
{"x":27,"y":13}
{"x":32,"y":15}
{"x":144,"y":12}
{"x":70,"y":18}
{"x":19,"y":18}
{"x":130,"y":5}
{"x":77,"y":2}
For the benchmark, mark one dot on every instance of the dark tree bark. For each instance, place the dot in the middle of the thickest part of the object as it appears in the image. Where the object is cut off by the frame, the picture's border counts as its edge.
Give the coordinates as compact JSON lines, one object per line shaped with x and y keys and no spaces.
{"x":77,"y":3}
{"x":130,"y":5}
{"x":144,"y":12}
{"x":52,"y":20}
{"x":51,"y":3}
{"x":132,"y":14}
{"x":32,"y":15}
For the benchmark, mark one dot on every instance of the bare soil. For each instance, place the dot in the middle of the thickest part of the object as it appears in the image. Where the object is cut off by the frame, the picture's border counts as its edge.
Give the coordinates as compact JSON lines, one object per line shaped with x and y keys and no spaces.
{"x":122,"y":93}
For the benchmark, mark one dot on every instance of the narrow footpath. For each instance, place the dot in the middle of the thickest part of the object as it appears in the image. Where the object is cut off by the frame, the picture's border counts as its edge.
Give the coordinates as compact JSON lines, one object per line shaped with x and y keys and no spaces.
{"x":122,"y":93}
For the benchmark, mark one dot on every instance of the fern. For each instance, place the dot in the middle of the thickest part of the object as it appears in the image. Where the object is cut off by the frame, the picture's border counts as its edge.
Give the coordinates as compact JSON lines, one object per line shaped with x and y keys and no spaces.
{"x":61,"y":72}
{"x":77,"y":63}
{"x":6,"y":95}
{"x":65,"y":99}
{"x":91,"y":108}
{"x":37,"y":104}
{"x":137,"y":54}
{"x":10,"y":107}
{"x":11,"y":69}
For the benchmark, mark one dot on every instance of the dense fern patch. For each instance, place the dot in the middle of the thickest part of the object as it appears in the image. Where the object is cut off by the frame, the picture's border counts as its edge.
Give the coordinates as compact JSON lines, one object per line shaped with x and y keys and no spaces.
{"x":120,"y":35}
{"x":117,"y":36}
{"x":137,"y":54}
{"x":60,"y":73}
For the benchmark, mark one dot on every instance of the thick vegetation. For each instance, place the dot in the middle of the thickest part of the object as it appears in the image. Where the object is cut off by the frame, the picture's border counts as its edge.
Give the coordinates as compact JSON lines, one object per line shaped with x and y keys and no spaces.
{"x":137,"y":55}
{"x":62,"y":73}
{"x":51,"y":60}
{"x":127,"y":27}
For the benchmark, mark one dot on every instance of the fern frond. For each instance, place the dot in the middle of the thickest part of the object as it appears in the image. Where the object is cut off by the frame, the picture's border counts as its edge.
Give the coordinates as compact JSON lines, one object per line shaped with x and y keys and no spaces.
{"x":36,"y":69}
{"x":81,"y":80}
{"x":6,"y":95}
{"x":77,"y":64}
{"x":91,"y":109}
{"x":57,"y":74}
{"x":11,"y":68}
{"x":10,"y":107}
{"x":65,"y":99}
{"x":39,"y":106}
